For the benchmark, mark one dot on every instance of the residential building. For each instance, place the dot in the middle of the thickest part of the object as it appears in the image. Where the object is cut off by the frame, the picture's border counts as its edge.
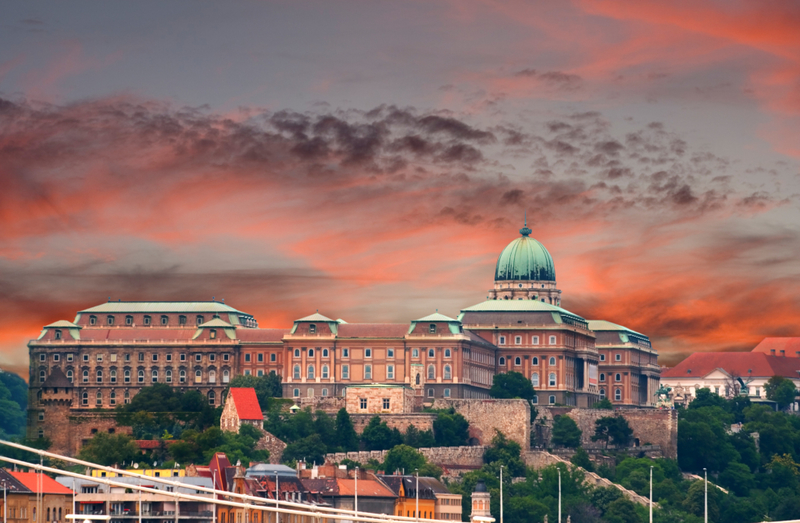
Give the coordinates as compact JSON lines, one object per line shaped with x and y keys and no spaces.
{"x":338,"y":488}
{"x":241,"y":407}
{"x":34,"y":496}
{"x":429,"y":494}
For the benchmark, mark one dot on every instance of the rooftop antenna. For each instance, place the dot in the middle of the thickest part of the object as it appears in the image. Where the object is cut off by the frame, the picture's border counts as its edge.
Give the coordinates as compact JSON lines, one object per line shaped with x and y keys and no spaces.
{"x":213,"y":298}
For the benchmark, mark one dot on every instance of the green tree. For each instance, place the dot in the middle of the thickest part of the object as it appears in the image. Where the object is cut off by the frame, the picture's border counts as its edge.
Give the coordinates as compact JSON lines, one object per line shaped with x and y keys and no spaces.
{"x":110,"y":449}
{"x":408,"y":459}
{"x":703,"y":397}
{"x":612,"y":429}
{"x":566,"y":432}
{"x":738,"y":478}
{"x":413,"y":437}
{"x":378,"y":436}
{"x":346,"y":436}
{"x":622,"y":510}
{"x":311,"y":449}
{"x":604,"y":403}
{"x":602,"y":497}
{"x":267,"y":386}
{"x":509,"y":385}
{"x":450,"y":429}
{"x":506,"y":452}
{"x":581,"y":459}
{"x":695,"y":500}
{"x":12,"y":416}
{"x":781,"y":391}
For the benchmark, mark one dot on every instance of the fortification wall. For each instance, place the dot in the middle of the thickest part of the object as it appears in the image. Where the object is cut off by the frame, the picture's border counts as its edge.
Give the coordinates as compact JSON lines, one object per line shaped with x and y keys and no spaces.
{"x":401,"y":422}
{"x":449,"y":457}
{"x":485,"y":416}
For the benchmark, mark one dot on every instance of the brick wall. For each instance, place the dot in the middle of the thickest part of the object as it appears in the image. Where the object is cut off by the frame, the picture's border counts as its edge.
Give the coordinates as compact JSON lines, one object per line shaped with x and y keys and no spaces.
{"x":400,"y":422}
{"x":450,"y":457}
{"x":400,"y":400}
{"x":657,"y":427}
{"x":511,"y":417}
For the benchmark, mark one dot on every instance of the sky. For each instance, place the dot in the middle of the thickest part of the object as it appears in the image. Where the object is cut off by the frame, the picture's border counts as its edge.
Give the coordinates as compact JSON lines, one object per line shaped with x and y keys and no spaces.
{"x":371,"y":159}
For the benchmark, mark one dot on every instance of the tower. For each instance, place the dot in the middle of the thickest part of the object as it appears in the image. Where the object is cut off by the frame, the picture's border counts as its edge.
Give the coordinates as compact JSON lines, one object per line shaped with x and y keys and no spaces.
{"x":481,"y":512}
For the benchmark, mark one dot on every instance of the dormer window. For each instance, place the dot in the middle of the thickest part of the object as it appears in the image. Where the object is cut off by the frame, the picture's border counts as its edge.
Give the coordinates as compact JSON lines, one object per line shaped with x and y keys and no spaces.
{"x":312,"y":329}
{"x":432,"y":328}
{"x":110,"y":320}
{"x":58,"y":334}
{"x":212,"y":333}
{"x":128,"y":320}
{"x":147,"y":320}
{"x":92,"y":320}
{"x":164,"y":320}
{"x":199,"y":320}
{"x":181,"y":320}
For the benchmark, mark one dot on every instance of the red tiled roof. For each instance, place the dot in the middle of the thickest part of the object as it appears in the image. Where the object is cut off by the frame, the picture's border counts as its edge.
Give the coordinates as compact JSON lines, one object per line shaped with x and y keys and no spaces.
{"x":246,"y":403}
{"x":219,"y":462}
{"x":48,"y":485}
{"x":147,"y":443}
{"x":136,"y":334}
{"x":264,"y":335}
{"x":752,"y":364}
{"x":790,"y":346}
{"x":366,"y":487}
{"x":373,"y":330}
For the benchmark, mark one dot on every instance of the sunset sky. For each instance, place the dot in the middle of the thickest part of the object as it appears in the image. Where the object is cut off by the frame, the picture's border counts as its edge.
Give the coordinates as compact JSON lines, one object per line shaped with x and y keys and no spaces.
{"x":371,"y":159}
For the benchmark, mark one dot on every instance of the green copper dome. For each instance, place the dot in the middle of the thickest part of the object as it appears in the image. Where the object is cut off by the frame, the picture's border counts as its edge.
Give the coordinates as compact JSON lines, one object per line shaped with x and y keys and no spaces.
{"x":525,"y":259}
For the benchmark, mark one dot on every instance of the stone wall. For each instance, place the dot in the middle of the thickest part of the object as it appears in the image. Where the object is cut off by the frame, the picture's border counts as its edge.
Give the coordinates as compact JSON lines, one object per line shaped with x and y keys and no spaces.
{"x":328,"y":404}
{"x":656,"y":427}
{"x":449,"y":457}
{"x":274,"y":445}
{"x":400,"y":422}
{"x":83,"y":427}
{"x":485,"y":416}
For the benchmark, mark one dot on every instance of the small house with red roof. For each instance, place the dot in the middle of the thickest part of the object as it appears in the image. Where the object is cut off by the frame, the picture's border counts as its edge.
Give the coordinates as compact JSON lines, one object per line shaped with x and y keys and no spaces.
{"x":21,"y":490}
{"x":241,"y":406}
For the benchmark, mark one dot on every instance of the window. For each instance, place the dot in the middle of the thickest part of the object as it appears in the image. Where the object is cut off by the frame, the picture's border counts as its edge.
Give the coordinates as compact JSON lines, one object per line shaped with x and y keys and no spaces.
{"x":212,"y":357}
{"x":85,"y":376}
{"x":367,"y":372}
{"x":126,"y":397}
{"x":154,"y":376}
{"x":602,"y":376}
{"x":431,"y":372}
{"x":112,"y":398}
{"x":127,"y":376}
{"x":432,"y":328}
{"x":296,"y":393}
{"x":212,"y":334}
{"x":362,"y":403}
{"x":198,"y":376}
{"x":155,"y":357}
{"x":535,"y":361}
{"x":367,"y":353}
{"x":310,"y":372}
{"x":128,"y":320}
{"x":447,"y":353}
{"x":617,"y":377}
{"x":169,"y":357}
{"x":199,"y":320}
{"x":535,"y":340}
{"x":535,"y":400}
{"x":168,"y":376}
{"x":226,"y":376}
{"x":212,"y":397}
{"x":296,"y":372}
{"x":273,"y":357}
{"x":386,"y":403}
{"x":92,"y":320}
{"x":446,"y":393}
{"x":390,"y":372}
{"x":182,"y":321}
{"x":110,"y":320}
{"x":69,"y":375}
{"x":182,"y":376}
{"x":552,"y":340}
{"x":502,"y":340}
{"x":518,"y":340}
{"x":42,"y":376}
{"x":602,"y":357}
{"x":324,"y":392}
{"x":390,"y":353}
{"x":617,"y":357}
{"x":212,"y":376}
{"x":552,"y":380}
{"x":415,"y":353}
{"x":448,"y":372}
{"x":98,"y":399}
{"x":310,"y":353}
{"x":58,"y":334}
{"x":552,"y":361}
{"x":535,"y":379}
{"x":247,"y":358}
{"x":552,"y":400}
{"x":602,"y":394}
{"x":325,"y":372}
{"x":112,"y":376}
{"x":324,"y":353}
{"x":85,"y":357}
{"x":260,"y":358}
{"x":146,"y":320}
{"x":345,"y":372}
{"x":431,"y":353}
{"x":517,"y":361}
{"x":345,"y":352}
{"x":99,"y":357}
{"x":617,"y":394}
{"x":502,"y":361}
{"x":312,"y":329}
{"x":198,"y":358}
{"x":69,"y":357}
{"x":141,"y":356}
{"x":164,"y":320}
{"x":430,"y":393}
{"x":259,"y":373}
{"x":85,"y":398}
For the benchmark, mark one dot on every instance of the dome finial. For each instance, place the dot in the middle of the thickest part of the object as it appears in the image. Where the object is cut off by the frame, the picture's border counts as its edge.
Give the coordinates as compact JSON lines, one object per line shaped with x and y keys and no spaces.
{"x":525,"y":231}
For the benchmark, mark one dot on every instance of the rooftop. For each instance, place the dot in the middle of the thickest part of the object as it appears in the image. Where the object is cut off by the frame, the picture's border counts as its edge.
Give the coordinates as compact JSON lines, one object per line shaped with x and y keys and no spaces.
{"x":246,"y":403}
{"x":742,"y":364}
{"x":161,"y":306}
{"x":789,"y":346}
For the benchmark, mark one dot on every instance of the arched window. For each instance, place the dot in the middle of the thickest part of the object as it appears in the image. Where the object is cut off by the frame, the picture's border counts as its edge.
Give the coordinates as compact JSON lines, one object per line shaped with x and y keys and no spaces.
{"x":42,"y":376}
{"x":141,"y":376}
{"x":324,"y":353}
{"x":168,"y":376}
{"x":431,"y":353}
{"x":69,"y":375}
{"x":112,"y":397}
{"x":602,"y":376}
{"x":212,"y":397}
{"x":110,"y":320}
{"x":126,"y":397}
{"x":129,"y":320}
{"x":446,"y":393}
{"x":417,"y":379}
{"x":310,"y":372}
{"x":618,"y":394}
{"x":112,"y":376}
{"x":226,"y":376}
{"x":432,"y":328}
{"x":98,"y":398}
{"x":552,"y":400}
{"x":324,"y":392}
{"x":447,"y":353}
{"x":212,"y":376}
{"x":310,"y":393}
{"x":92,"y":320}
{"x":296,"y":373}
{"x":310,"y":353}
{"x":431,"y":372}
{"x":517,"y":361}
{"x":58,"y":334}
{"x":324,"y":372}
{"x":617,"y":377}
{"x":127,"y":376}
{"x":552,"y":380}
{"x":296,"y":393}
{"x":535,"y":379}
{"x":602,"y":393}
{"x":430,"y":393}
{"x":85,"y":398}
{"x":552,"y":360}
{"x":534,"y":361}
{"x":502,"y":361}
{"x":312,"y":329}
{"x":147,"y":320}
{"x":182,"y":376}
{"x":447,"y":372}
{"x":86,"y":376}
{"x":198,"y":376}
{"x":164,"y":320}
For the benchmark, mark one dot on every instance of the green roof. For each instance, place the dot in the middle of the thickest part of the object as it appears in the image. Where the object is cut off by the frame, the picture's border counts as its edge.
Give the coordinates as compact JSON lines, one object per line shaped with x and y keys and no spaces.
{"x":515,"y":306}
{"x":603,"y":325}
{"x":216,"y":322}
{"x":525,"y":259}
{"x":161,"y":306}
{"x":316,"y":317}
{"x":63,"y":324}
{"x":436,"y":317}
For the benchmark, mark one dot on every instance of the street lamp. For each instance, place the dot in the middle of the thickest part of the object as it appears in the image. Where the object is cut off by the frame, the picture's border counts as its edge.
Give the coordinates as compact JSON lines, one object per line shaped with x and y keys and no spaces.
{"x":501,"y":493}
{"x":705,"y":494}
{"x":5,"y":504}
{"x":651,"y":494}
{"x":559,"y":495}
{"x":356,"y":503}
{"x":416,"y":493}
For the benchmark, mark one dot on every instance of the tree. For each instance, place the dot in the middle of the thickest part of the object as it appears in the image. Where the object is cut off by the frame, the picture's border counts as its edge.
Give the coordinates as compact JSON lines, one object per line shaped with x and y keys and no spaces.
{"x":450,"y":429}
{"x":378,"y":436}
{"x":705,"y":398}
{"x":566,"y":432}
{"x":418,"y":439}
{"x":581,"y":459}
{"x":604,"y":403}
{"x":407,"y":459}
{"x":781,"y":391}
{"x":614,"y":429}
{"x":695,"y":501}
{"x":311,"y":449}
{"x":509,"y":385}
{"x":110,"y":449}
{"x":738,"y":478}
{"x":621,"y":510}
{"x":506,"y":452}
{"x":346,"y":436}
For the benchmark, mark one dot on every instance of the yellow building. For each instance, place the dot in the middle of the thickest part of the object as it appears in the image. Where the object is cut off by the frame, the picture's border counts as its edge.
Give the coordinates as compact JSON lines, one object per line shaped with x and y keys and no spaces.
{"x":153,"y":473}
